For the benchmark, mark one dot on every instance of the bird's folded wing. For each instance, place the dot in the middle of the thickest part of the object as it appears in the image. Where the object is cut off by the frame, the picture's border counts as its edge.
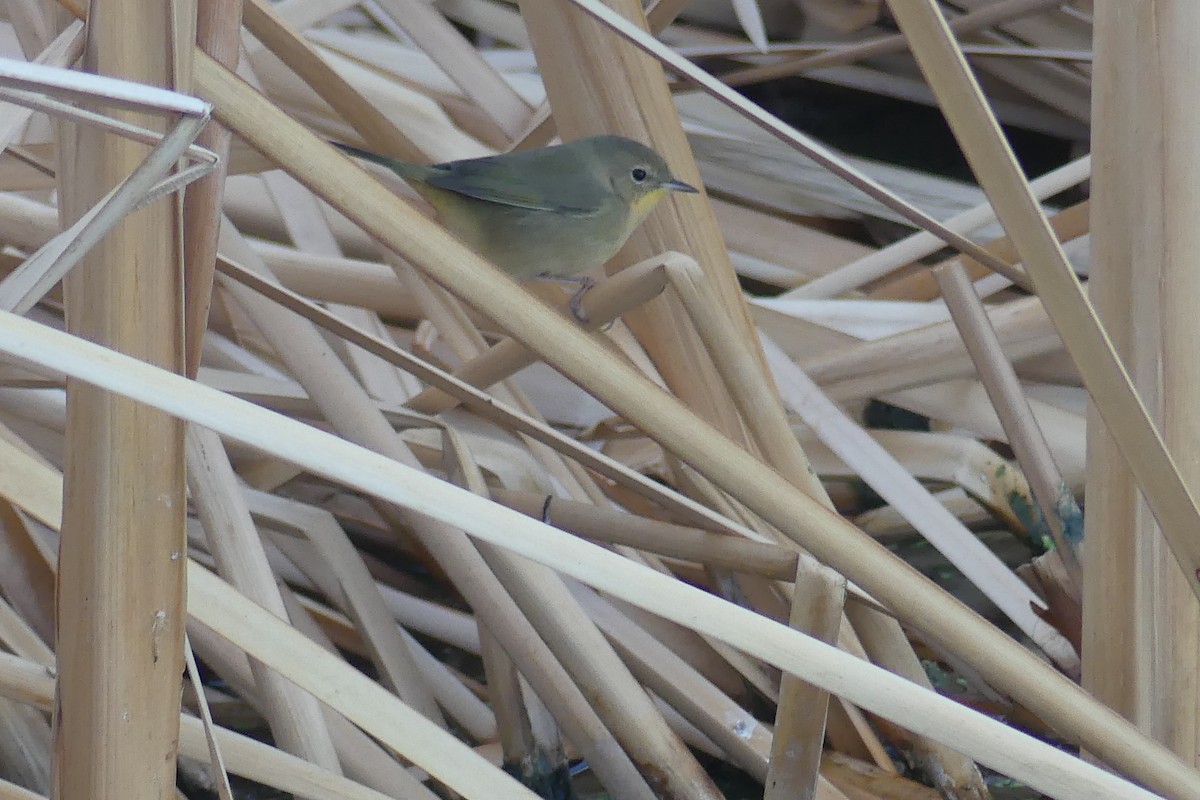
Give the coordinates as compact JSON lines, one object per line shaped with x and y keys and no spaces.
{"x":494,"y":180}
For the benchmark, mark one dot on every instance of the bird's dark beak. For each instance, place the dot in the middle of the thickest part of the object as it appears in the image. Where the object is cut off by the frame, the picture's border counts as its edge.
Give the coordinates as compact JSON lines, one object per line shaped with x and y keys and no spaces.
{"x":679,"y":186}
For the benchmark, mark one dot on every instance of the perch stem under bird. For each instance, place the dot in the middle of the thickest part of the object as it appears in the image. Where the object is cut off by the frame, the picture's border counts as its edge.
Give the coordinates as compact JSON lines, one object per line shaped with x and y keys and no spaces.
{"x":555,"y":212}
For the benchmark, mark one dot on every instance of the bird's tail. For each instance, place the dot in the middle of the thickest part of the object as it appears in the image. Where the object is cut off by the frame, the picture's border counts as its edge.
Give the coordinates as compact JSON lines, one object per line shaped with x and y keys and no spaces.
{"x":402,"y":168}
{"x":358,"y":152}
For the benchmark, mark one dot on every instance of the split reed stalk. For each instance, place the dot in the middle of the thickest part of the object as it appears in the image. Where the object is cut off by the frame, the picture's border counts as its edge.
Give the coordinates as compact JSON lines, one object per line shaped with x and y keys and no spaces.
{"x":218,"y":33}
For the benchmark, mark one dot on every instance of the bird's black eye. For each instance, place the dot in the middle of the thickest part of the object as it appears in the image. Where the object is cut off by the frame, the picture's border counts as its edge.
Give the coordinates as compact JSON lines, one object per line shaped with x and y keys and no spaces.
{"x":638,"y":174}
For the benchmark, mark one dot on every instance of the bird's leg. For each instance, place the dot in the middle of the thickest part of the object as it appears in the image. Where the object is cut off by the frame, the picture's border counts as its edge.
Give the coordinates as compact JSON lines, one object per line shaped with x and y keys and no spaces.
{"x":576,"y":302}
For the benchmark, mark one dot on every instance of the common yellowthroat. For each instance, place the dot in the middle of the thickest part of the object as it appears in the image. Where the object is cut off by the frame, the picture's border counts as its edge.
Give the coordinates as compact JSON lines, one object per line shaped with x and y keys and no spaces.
{"x":553,"y":212}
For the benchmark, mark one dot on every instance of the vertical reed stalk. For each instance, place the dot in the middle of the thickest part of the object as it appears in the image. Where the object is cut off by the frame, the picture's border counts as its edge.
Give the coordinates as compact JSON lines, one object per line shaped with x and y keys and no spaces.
{"x":1141,"y":627}
{"x":120,"y":601}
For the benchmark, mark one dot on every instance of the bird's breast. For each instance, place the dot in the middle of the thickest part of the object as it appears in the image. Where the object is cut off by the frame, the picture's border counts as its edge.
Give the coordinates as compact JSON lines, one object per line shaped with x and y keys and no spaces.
{"x":526,"y":242}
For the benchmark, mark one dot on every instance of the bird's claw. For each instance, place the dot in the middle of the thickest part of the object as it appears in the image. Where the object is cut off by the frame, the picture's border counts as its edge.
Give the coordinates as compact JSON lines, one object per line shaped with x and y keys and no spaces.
{"x":576,"y":301}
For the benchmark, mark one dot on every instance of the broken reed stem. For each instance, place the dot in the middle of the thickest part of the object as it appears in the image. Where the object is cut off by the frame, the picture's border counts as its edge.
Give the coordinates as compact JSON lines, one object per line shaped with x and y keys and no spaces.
{"x":120,"y":601}
{"x":795,"y":760}
{"x":1059,"y":509}
{"x":992,"y":160}
{"x":218,"y":33}
{"x":830,"y":538}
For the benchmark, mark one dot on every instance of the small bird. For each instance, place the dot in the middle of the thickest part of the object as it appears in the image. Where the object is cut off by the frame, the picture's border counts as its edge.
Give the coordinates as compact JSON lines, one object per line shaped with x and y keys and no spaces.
{"x":554,"y":212}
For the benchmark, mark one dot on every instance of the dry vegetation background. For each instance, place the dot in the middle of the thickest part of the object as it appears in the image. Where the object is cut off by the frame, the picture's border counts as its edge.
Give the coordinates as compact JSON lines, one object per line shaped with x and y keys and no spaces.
{"x":798,"y":514}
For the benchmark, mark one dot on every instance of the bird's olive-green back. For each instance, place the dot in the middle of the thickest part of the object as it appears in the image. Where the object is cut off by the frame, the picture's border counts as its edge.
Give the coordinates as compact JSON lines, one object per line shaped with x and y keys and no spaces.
{"x":574,"y":178}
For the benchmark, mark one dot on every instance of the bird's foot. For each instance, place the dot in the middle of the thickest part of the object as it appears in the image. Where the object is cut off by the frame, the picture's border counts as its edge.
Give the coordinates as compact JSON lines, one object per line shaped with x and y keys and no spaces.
{"x":576,"y":302}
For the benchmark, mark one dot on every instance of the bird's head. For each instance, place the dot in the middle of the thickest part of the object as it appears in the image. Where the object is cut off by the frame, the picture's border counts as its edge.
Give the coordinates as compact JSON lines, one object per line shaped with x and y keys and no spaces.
{"x":638,"y":175}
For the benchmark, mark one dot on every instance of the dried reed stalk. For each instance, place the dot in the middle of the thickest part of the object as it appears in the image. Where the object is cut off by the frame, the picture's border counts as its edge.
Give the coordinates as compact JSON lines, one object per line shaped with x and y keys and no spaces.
{"x":607,"y":525}
{"x":487,"y":407}
{"x":904,"y":493}
{"x":1143,"y":238}
{"x":1059,"y":509}
{"x":63,"y":51}
{"x":462,"y":63}
{"x":1068,"y":224}
{"x":263,"y":21}
{"x":964,"y":404}
{"x":120,"y":602}
{"x":362,"y":758}
{"x":610,"y":299}
{"x":796,"y":744}
{"x":218,"y":33}
{"x":27,"y":578}
{"x":341,"y":575}
{"x":1022,"y":326}
{"x":562,"y":624}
